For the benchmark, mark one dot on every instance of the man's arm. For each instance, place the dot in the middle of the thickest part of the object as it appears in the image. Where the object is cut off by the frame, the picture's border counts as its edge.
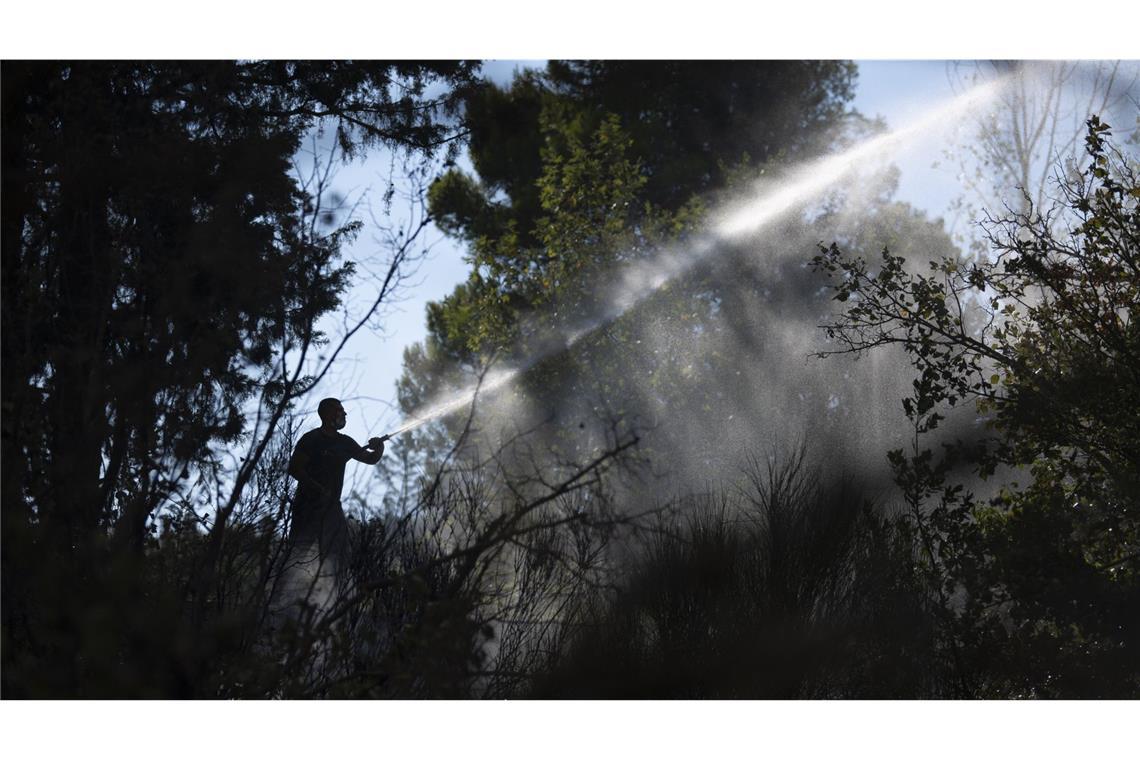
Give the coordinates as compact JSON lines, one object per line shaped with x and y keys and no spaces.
{"x":371,"y":453}
{"x":297,"y":467}
{"x":297,"y":464}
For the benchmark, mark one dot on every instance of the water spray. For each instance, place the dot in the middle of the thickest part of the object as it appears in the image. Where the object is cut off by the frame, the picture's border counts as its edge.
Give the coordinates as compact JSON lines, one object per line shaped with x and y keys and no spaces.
{"x":736,"y":222}
{"x":457,"y":402}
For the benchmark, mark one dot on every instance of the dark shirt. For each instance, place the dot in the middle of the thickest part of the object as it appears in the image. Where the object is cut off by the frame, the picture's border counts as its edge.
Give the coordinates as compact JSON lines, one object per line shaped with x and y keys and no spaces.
{"x":326,"y":455}
{"x":316,"y":515}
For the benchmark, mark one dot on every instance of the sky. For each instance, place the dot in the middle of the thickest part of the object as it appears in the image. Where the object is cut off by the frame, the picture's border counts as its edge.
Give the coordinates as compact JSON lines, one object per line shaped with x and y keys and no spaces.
{"x":896,"y":90}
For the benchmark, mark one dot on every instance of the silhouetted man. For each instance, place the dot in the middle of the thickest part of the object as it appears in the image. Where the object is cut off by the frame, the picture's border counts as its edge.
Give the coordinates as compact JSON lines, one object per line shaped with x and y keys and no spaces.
{"x":317,"y":465}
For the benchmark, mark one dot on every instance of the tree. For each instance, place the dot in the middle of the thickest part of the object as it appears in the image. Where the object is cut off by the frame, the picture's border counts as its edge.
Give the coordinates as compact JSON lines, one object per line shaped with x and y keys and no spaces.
{"x":1037,"y":123}
{"x":583,"y":169}
{"x":645,"y":135}
{"x":690,"y":123}
{"x":162,"y":274}
{"x":1043,"y":338}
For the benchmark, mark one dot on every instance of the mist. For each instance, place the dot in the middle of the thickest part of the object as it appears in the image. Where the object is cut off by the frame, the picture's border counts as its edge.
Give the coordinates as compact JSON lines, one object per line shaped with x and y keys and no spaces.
{"x":747,"y":376}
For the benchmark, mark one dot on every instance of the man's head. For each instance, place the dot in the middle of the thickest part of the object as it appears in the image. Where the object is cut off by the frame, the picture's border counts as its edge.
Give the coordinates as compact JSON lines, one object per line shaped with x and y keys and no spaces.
{"x":332,"y":413}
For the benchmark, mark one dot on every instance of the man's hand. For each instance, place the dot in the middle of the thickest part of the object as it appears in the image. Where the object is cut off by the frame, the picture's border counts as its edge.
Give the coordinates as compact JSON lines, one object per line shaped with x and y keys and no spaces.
{"x":370,"y":452}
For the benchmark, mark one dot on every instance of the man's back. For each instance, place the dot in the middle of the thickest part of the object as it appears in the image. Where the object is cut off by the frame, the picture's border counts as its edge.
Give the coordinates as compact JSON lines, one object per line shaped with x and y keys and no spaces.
{"x":324,"y":458}
{"x":317,"y":517}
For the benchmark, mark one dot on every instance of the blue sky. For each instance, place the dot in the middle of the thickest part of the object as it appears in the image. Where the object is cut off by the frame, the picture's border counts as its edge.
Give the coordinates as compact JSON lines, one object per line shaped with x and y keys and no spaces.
{"x":372,"y":362}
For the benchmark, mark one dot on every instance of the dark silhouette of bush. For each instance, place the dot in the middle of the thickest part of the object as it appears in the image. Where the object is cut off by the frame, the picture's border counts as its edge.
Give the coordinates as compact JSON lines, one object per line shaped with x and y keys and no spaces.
{"x":791,"y":587}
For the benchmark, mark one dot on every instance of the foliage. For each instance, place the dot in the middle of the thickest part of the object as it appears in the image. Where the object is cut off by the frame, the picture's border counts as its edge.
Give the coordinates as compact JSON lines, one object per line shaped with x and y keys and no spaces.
{"x":792,"y":586}
{"x":690,"y":124}
{"x":161,"y":272}
{"x":583,"y":171}
{"x":449,"y":595}
{"x":1042,"y":337}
